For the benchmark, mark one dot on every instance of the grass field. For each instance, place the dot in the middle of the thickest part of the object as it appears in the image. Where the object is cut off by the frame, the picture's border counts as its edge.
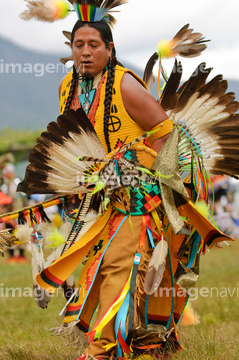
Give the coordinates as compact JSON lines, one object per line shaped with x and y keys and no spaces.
{"x":22,"y":323}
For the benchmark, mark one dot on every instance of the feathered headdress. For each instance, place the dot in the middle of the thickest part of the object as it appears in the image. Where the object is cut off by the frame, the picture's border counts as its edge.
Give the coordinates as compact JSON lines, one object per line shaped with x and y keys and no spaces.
{"x":87,"y":10}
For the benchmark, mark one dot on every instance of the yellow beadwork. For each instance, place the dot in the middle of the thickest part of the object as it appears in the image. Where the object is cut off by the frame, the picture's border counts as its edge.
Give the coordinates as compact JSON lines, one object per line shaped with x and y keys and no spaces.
{"x":121,"y":126}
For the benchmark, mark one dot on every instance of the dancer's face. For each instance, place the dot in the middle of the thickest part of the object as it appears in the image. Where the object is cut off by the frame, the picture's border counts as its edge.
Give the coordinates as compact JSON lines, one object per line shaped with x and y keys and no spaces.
{"x":89,"y":51}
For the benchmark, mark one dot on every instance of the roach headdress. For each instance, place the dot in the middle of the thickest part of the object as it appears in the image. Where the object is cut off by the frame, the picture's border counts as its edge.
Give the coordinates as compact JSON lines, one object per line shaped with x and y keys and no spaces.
{"x":87,"y":10}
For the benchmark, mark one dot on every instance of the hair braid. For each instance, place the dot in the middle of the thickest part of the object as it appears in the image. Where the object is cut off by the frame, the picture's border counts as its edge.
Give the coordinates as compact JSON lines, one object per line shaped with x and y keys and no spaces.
{"x":108,"y":99}
{"x":72,"y":90}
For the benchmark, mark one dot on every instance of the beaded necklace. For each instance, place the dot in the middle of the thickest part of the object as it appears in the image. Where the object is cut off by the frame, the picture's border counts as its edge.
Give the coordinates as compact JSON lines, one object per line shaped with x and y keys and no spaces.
{"x":87,"y":89}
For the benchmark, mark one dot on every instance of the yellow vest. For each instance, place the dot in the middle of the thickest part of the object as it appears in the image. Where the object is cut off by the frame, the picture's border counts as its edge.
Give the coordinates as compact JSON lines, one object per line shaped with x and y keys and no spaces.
{"x":120,"y":125}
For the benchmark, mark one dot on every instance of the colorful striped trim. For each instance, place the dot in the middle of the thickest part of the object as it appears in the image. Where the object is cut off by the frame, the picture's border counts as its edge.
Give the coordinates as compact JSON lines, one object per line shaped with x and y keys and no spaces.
{"x":50,"y":279}
{"x":73,"y":310}
{"x":214,"y":237}
{"x":90,"y":13}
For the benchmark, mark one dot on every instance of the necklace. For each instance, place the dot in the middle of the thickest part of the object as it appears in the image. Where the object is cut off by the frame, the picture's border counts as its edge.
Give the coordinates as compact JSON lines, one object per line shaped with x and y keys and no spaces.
{"x":87,"y":88}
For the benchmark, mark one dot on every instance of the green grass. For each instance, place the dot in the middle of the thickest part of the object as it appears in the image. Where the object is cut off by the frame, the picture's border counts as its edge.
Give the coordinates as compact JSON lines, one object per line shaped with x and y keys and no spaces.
{"x":11,"y":139}
{"x":23,"y":325}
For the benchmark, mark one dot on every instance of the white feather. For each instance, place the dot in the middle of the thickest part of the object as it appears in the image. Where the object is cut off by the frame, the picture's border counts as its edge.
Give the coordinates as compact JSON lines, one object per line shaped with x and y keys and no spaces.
{"x":23,"y":233}
{"x":157,"y":264}
{"x":89,"y":220}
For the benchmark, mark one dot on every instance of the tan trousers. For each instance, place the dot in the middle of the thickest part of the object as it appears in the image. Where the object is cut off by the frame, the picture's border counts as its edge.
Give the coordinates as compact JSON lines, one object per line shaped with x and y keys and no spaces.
{"x":115,"y":269}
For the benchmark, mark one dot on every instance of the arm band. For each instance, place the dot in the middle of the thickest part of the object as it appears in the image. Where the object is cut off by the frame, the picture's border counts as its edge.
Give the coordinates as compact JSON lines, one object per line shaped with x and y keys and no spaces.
{"x":160,"y":130}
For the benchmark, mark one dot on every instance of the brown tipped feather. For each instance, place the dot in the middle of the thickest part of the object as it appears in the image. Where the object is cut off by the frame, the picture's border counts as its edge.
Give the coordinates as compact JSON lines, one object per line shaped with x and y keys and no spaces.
{"x":169,"y":96}
{"x":66,"y":59}
{"x":187,"y":43}
{"x":67,"y":34}
{"x":196,"y":81}
{"x":148,"y":72}
{"x":53,"y":167}
{"x":208,"y":114}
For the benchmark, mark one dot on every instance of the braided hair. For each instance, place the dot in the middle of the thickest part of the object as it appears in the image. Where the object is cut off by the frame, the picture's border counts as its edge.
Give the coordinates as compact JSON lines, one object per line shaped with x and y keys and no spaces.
{"x":107,"y":37}
{"x":72,"y":90}
{"x":108,"y":97}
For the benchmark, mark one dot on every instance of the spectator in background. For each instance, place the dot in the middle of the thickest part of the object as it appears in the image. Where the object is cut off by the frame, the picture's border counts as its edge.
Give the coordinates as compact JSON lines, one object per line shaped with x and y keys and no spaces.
{"x":8,"y":187}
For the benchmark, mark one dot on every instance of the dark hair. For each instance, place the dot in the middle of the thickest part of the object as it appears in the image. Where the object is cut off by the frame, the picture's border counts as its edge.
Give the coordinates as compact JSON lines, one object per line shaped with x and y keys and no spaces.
{"x":107,"y":37}
{"x":101,"y":26}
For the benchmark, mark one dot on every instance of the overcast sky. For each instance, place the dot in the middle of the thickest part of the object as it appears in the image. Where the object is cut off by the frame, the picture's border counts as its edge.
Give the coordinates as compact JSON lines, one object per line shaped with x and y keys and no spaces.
{"x":141,"y":24}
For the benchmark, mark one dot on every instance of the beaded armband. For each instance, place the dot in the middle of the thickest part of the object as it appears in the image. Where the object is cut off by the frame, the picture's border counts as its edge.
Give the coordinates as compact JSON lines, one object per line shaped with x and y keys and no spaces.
{"x":160,"y":130}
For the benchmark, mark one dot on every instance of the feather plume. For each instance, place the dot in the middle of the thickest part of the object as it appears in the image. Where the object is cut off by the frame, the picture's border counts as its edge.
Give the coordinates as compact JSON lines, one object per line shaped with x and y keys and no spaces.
{"x":156,"y":267}
{"x":54,"y":239}
{"x":190,"y":316}
{"x":57,"y":220}
{"x":23,"y":233}
{"x":52,"y":236}
{"x":185,"y":43}
{"x":46,"y":10}
{"x":45,"y":228}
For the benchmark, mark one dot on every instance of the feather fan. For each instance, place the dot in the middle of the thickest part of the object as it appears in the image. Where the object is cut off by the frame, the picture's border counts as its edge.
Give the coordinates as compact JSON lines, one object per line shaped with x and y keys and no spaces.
{"x":53,"y":168}
{"x":156,"y":267}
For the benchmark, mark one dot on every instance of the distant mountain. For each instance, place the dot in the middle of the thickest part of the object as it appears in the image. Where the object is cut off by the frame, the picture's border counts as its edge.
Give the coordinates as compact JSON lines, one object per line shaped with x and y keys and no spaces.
{"x":29,"y":86}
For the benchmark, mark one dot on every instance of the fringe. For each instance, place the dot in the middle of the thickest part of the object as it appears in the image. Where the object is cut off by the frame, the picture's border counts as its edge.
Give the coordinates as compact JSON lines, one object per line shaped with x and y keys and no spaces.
{"x":7,"y":240}
{"x":72,"y":334}
{"x":143,"y":266}
{"x":157,"y":343}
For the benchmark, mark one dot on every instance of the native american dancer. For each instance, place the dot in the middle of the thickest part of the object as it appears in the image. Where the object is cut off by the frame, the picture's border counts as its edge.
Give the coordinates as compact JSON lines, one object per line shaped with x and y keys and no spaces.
{"x":141,"y":169}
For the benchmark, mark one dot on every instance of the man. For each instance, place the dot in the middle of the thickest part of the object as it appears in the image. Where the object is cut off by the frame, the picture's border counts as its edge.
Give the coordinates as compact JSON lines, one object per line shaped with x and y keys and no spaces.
{"x":123,"y":99}
{"x":139,"y":297}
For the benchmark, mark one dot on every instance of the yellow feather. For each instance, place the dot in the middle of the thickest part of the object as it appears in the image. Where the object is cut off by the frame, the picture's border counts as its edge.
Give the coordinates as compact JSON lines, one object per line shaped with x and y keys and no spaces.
{"x":55,"y":239}
{"x":57,"y":220}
